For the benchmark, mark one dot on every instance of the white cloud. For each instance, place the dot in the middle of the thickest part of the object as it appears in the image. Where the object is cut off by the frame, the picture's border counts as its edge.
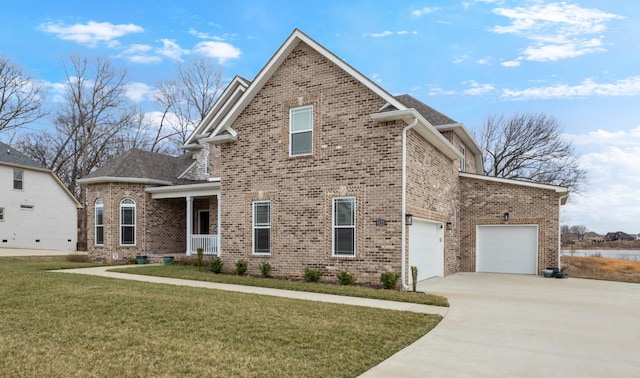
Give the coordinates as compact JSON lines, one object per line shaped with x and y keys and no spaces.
{"x":387,"y":33}
{"x":476,"y":89}
{"x":171,"y":49}
{"x":511,"y":63}
{"x":423,"y":11}
{"x":139,"y":54}
{"x":138,"y":92}
{"x":614,"y":186}
{"x":484,"y":61}
{"x":460,"y":59}
{"x":556,"y":30}
{"x":625,"y":87}
{"x":57,"y":91}
{"x":218,"y":50}
{"x":91,"y":33}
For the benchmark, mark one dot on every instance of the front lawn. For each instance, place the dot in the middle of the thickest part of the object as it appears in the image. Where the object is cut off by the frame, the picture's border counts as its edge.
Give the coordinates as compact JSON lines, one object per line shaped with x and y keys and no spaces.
{"x":193,"y":273}
{"x":67,"y":325}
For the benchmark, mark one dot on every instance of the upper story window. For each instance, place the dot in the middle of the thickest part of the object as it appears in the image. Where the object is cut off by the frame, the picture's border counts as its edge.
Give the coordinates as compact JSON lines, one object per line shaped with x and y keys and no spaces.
{"x":344,"y":226}
{"x":17,"y":179}
{"x":127,"y":222}
{"x":1,"y":214}
{"x":99,"y":222}
{"x":262,"y":227}
{"x":301,"y":131}
{"x":463,"y":161}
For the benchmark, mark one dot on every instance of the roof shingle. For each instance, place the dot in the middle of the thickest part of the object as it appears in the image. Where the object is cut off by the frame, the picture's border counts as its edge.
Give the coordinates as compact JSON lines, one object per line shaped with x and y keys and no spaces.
{"x":10,"y":155}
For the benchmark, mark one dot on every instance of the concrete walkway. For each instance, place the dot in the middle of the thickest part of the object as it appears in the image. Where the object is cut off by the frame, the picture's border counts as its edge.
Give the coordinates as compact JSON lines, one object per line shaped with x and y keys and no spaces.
{"x":502,"y":325}
{"x":104,"y":271}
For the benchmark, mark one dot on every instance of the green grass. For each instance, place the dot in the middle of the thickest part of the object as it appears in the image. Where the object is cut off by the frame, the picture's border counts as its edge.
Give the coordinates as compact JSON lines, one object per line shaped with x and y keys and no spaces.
{"x":67,"y":325}
{"x":192,"y":273}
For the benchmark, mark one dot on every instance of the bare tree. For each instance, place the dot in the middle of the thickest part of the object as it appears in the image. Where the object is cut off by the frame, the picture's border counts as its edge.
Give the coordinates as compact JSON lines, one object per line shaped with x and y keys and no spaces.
{"x":185,"y":101}
{"x":579,"y":230}
{"x":530,"y":147}
{"x":22,"y":98}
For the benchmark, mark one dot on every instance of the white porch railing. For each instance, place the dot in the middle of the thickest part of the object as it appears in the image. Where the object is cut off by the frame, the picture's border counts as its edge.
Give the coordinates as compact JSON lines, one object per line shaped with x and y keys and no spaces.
{"x":208,"y":243}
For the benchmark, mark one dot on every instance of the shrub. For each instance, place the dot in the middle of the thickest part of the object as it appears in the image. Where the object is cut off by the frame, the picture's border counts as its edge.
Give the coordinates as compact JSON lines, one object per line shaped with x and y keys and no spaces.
{"x":312,"y":275}
{"x":345,"y":278}
{"x":216,"y":264}
{"x":389,"y":280}
{"x":265,"y":269}
{"x":241,"y":267}
{"x":414,"y":277}
{"x":200,"y":252}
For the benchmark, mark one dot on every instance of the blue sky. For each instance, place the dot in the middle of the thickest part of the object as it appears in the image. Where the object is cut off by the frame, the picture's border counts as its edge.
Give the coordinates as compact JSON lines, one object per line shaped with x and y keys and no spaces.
{"x":578,"y":61}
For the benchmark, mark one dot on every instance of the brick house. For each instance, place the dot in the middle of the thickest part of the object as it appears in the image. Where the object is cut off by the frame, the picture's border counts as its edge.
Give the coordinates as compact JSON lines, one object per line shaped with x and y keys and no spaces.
{"x":312,"y":164}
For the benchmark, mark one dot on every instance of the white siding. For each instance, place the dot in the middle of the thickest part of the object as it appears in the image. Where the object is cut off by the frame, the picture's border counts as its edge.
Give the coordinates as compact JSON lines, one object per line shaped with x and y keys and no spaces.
{"x":52,"y":220}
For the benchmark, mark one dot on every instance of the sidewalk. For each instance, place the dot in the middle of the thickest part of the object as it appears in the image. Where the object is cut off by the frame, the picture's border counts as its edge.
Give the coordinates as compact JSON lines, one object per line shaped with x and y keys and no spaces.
{"x":103,"y":271}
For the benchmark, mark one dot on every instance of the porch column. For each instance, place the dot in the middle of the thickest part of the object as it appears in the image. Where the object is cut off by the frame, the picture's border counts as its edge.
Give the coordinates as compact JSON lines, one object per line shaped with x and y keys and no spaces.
{"x":189,"y":223}
{"x":219,"y":224}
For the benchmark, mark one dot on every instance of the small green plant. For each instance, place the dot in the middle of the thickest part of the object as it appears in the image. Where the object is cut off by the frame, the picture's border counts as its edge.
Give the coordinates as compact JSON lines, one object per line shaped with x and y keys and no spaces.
{"x":414,"y":277}
{"x":216,"y":264}
{"x":241,"y":267}
{"x":389,"y":280}
{"x":200,"y":252}
{"x":265,"y":269}
{"x":345,"y":278}
{"x":312,"y":275}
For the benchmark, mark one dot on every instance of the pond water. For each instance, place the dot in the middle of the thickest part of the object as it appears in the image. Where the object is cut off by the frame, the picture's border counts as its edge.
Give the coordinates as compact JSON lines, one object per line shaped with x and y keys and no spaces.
{"x":621,"y":254}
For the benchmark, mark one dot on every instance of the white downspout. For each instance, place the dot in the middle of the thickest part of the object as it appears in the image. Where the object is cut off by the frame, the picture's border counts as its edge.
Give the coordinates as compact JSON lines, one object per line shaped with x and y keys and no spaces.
{"x":404,"y":199}
{"x":560,"y":230}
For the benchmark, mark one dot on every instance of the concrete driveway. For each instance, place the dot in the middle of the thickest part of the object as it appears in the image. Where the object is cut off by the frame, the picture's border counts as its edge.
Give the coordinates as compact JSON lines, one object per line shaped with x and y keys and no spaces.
{"x":503,"y":325}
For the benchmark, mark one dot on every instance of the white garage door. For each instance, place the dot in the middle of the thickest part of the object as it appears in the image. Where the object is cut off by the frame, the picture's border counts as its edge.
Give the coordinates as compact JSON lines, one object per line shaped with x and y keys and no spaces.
{"x":507,"y":249}
{"x":426,"y":248}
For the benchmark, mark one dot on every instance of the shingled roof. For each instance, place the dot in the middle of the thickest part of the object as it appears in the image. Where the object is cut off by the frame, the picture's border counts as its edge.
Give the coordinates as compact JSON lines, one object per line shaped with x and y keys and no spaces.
{"x":139,"y":164}
{"x":430,"y":114}
{"x":10,"y":155}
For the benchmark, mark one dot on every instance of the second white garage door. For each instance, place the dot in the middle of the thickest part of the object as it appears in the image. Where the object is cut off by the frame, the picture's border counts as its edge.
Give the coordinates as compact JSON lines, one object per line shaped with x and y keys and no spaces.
{"x":426,"y":248}
{"x":507,"y":249}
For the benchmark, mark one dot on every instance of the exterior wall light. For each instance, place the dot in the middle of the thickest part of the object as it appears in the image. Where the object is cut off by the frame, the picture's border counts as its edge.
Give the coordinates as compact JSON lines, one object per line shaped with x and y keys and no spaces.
{"x":506,"y":216}
{"x":408,"y":219}
{"x":449,"y":226}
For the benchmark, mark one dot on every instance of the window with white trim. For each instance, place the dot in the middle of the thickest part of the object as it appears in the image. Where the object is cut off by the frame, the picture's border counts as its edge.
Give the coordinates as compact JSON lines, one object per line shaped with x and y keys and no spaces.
{"x":301,"y":131}
{"x":262,"y":227}
{"x":127,"y":222}
{"x":18,"y":175}
{"x":1,"y":214}
{"x":463,"y":161}
{"x":344,"y":226}
{"x":99,"y":222}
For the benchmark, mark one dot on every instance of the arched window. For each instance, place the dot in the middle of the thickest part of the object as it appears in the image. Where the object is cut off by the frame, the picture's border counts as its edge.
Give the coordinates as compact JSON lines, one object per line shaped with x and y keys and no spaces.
{"x":99,"y":222}
{"x":127,"y":222}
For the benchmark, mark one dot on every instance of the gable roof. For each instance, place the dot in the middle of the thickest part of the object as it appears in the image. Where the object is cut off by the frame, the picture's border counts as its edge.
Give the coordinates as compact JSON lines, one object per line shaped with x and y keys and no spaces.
{"x":276,"y":60}
{"x":12,"y":156}
{"x":297,"y":37}
{"x":221,"y":108}
{"x":142,"y":167}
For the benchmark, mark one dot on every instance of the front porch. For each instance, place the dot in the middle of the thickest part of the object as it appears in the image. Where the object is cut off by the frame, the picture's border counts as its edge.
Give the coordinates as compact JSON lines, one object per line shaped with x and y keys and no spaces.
{"x":198,"y":218}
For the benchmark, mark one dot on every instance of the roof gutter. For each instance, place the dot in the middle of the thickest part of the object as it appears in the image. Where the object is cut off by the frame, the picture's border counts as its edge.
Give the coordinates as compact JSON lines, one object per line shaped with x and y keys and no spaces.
{"x":403,"y":244}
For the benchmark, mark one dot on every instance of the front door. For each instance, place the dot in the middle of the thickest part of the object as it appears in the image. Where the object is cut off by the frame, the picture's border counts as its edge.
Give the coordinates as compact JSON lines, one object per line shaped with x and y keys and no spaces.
{"x":203,"y":222}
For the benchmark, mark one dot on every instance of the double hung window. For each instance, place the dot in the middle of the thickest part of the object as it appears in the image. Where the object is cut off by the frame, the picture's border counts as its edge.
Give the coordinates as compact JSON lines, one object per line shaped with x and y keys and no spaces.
{"x":262,"y":227}
{"x":127,"y":222}
{"x":344,"y":226}
{"x":301,"y":131}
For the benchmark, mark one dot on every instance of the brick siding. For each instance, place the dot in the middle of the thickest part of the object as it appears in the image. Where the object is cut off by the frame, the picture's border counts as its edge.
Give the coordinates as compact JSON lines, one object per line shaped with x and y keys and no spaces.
{"x":484,"y":203}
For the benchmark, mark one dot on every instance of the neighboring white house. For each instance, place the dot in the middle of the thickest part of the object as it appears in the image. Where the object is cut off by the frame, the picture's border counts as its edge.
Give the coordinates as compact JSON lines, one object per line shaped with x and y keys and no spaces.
{"x":36,"y":209}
